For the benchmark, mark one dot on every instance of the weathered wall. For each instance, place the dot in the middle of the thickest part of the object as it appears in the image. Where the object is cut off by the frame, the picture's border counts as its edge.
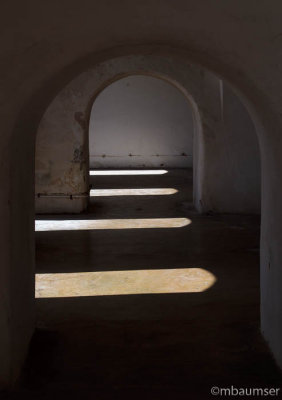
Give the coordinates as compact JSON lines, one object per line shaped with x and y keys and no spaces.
{"x":140,"y":122}
{"x":62,"y":163}
{"x":44,"y":45}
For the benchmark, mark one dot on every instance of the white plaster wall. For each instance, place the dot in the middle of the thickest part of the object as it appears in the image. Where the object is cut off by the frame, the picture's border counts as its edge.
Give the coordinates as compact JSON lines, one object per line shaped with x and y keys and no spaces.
{"x":241,"y":153}
{"x":232,"y":177}
{"x":139,"y":122}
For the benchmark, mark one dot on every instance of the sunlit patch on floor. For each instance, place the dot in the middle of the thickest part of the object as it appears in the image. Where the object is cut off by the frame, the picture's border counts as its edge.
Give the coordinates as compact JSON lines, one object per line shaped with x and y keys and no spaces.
{"x":88,"y":224}
{"x":129,"y":172}
{"x":132,"y":192}
{"x":108,"y":283}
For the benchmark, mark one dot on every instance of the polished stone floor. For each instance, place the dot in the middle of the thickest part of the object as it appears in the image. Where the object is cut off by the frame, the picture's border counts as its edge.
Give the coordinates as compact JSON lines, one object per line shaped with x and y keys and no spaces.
{"x":129,"y":307}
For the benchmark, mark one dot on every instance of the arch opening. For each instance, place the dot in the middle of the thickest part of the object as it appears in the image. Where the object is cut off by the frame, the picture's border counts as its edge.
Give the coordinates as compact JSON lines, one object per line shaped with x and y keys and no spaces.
{"x":210,"y":114}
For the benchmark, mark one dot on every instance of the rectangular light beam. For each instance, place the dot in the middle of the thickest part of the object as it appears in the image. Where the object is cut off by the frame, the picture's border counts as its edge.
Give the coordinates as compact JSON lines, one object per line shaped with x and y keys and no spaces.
{"x":109,"y":283}
{"x":132,"y":192}
{"x":129,"y":172}
{"x":89,"y":224}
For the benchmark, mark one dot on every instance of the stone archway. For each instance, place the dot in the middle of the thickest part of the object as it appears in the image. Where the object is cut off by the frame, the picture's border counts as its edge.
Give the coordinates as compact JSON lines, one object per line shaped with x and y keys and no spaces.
{"x":61,"y":174}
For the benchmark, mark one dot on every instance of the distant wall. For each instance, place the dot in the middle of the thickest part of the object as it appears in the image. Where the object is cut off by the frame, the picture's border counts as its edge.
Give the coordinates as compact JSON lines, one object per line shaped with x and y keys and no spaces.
{"x":141,"y":121}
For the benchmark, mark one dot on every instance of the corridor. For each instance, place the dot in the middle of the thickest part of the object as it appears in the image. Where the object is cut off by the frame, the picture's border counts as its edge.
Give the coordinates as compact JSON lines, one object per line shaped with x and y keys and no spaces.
{"x":158,"y":345}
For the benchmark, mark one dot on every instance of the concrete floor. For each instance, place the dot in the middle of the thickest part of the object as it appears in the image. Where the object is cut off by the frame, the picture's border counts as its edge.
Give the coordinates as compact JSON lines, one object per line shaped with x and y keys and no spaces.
{"x":159,"y":344}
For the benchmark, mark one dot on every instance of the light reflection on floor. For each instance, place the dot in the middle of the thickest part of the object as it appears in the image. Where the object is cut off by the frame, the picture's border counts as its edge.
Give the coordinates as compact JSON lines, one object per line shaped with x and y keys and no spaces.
{"x":129,"y":172}
{"x":108,"y":283}
{"x":88,"y":224}
{"x":132,"y":192}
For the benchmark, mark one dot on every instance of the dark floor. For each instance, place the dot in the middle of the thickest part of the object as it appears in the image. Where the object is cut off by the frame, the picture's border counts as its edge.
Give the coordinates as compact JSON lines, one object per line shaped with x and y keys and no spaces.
{"x":151,"y":346}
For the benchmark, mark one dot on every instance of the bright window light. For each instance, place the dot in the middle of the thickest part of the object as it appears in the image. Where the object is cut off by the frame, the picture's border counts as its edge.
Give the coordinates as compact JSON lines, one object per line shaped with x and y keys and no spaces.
{"x":109,"y":283}
{"x":129,"y":172}
{"x":132,"y":192}
{"x":88,"y":224}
